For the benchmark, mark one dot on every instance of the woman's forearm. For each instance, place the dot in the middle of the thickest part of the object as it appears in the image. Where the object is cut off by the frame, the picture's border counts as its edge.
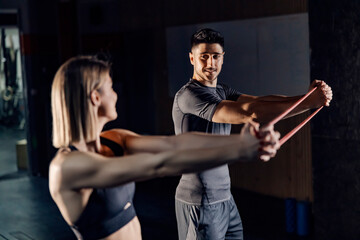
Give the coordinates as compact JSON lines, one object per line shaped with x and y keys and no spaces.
{"x":193,"y":140}
{"x":178,"y":162}
{"x":196,"y":140}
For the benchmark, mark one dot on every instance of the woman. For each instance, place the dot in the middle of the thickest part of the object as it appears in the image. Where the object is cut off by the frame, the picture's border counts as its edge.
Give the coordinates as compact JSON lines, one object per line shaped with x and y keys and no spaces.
{"x":92,"y":182}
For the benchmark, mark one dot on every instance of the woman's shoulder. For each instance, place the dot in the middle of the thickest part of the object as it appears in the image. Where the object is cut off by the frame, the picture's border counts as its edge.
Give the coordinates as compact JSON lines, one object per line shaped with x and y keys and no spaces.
{"x":118,"y":132}
{"x":56,"y":169}
{"x":63,"y":156}
{"x":118,"y":135}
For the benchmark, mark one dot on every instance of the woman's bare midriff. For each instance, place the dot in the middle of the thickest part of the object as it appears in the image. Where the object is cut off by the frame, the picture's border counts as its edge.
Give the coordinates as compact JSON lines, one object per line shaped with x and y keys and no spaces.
{"x":131,"y":231}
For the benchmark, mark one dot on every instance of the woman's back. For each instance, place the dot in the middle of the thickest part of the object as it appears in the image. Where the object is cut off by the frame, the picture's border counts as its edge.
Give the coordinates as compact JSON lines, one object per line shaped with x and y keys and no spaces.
{"x":96,"y":213}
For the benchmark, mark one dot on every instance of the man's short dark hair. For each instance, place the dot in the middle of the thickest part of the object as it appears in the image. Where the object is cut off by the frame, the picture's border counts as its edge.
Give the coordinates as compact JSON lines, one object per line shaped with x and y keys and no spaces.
{"x":207,"y":35}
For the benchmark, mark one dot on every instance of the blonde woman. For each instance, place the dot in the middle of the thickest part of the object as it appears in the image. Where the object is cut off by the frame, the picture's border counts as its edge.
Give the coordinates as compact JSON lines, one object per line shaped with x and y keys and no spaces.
{"x":91,"y":177}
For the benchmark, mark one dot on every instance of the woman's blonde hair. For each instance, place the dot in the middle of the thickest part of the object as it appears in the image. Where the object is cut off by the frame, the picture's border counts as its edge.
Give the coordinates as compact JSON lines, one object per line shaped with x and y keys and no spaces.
{"x":74,"y":117}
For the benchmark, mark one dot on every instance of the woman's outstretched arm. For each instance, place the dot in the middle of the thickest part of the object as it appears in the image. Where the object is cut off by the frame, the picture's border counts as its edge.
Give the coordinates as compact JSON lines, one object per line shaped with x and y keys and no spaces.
{"x":78,"y":170}
{"x":134,"y":143}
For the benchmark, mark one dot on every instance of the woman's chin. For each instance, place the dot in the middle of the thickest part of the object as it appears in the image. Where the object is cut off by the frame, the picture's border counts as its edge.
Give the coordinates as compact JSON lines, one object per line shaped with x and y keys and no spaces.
{"x":114,"y":117}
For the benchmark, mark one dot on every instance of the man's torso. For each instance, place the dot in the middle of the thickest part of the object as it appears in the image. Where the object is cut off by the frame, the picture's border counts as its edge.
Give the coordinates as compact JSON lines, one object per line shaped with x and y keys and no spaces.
{"x":193,"y":108}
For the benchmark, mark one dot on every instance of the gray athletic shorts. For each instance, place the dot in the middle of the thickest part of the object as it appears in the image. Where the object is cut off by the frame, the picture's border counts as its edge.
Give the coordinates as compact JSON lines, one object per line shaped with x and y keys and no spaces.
{"x":211,"y":222}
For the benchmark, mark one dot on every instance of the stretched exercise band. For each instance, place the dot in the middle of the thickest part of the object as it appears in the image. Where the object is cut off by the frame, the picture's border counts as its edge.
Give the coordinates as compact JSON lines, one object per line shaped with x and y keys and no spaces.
{"x":297,"y":128}
{"x":282,"y":115}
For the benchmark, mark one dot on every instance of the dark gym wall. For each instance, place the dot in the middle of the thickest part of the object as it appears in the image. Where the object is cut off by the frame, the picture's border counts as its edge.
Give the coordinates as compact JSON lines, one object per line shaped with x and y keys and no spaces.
{"x":335,"y":46}
{"x":135,"y":32}
{"x":41,"y":62}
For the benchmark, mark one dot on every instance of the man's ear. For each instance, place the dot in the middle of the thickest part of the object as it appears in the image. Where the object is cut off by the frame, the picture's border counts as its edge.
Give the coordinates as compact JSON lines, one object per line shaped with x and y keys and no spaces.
{"x":191,"y":56}
{"x":95,"y":98}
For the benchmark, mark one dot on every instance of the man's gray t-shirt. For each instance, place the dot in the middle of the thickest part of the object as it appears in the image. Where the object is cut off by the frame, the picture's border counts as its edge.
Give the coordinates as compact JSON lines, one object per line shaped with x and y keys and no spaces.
{"x":193,"y":108}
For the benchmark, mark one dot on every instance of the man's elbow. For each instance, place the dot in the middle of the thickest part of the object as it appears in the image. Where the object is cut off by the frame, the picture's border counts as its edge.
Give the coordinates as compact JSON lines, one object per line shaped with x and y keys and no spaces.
{"x":245,"y":117}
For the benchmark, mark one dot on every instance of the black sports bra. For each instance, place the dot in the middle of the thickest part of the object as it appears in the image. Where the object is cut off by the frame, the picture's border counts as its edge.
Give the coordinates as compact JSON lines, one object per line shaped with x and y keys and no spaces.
{"x":108,"y":209}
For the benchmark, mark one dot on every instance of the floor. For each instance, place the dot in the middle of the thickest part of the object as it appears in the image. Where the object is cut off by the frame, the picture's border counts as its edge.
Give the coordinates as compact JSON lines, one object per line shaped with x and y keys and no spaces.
{"x":27,"y":211}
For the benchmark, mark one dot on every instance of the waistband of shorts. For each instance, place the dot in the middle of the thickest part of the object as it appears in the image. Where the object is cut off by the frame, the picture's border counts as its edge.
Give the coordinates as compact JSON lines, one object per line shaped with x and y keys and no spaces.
{"x":202,"y":203}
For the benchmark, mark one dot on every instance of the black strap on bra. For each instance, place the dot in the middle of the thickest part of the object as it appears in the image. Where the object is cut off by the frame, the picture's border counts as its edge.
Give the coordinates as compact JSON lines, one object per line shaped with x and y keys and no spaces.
{"x":114,"y":146}
{"x":72,"y":148}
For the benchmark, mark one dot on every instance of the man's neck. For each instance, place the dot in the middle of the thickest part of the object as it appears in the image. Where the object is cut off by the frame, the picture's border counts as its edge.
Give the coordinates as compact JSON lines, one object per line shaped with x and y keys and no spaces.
{"x":212,"y":83}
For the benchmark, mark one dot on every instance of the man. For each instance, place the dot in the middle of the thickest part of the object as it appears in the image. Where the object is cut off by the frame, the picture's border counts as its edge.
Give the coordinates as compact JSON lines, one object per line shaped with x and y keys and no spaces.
{"x":205,"y":208}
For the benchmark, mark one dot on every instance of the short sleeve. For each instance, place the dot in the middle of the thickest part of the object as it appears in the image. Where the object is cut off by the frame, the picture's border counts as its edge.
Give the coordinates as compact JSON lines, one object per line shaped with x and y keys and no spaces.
{"x":198,"y":101}
{"x":230,"y":93}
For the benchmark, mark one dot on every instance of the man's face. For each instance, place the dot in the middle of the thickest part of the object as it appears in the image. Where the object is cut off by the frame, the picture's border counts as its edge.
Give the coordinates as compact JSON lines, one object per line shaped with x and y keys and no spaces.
{"x":207,"y":59}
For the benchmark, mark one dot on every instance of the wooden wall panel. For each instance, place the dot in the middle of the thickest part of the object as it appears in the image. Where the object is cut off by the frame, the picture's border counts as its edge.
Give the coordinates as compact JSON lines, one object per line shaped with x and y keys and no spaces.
{"x":289,"y":174}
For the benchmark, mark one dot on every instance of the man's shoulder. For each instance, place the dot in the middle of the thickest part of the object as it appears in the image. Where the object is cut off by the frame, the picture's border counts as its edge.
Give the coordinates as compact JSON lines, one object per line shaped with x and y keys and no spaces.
{"x":188,"y":89}
{"x":228,"y":91}
{"x":223,"y":86}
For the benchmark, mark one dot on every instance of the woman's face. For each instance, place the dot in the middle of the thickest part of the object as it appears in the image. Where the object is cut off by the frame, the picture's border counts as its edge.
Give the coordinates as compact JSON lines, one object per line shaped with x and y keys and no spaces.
{"x":108,"y":97}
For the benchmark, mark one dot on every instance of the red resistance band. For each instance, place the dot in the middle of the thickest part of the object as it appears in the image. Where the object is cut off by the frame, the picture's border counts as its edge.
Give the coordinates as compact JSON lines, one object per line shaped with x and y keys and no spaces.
{"x":297,"y":128}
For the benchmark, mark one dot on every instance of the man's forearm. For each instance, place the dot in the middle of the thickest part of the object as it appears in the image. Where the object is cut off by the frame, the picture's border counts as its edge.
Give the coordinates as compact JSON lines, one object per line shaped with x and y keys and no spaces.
{"x":267,"y":108}
{"x":278,"y":98}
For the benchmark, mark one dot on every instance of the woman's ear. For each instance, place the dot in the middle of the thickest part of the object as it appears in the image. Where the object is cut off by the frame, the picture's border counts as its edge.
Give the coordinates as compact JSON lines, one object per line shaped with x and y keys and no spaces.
{"x":95,"y":98}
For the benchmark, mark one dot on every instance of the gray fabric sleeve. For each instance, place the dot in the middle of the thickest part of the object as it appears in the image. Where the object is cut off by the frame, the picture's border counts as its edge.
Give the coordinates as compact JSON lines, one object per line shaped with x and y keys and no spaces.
{"x":230,"y":93}
{"x":198,"y":102}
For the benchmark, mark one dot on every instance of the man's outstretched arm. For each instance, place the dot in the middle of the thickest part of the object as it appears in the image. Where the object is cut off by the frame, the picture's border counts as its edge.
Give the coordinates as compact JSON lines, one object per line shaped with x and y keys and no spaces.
{"x":264,"y":109}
